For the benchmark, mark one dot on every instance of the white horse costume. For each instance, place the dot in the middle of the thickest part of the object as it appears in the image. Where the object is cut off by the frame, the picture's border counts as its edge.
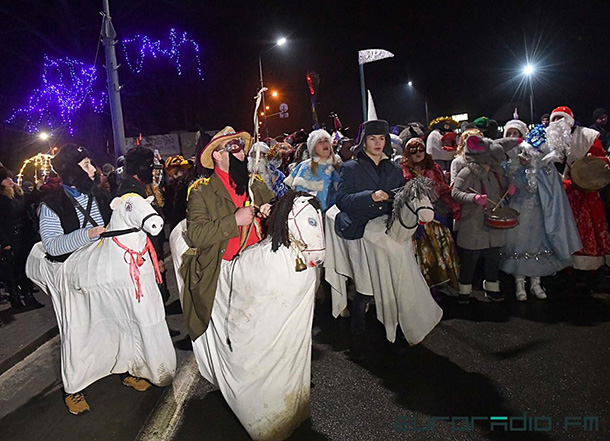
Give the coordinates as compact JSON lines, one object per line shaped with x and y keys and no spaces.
{"x":382,"y":264}
{"x":257,"y":348}
{"x":108,"y":306}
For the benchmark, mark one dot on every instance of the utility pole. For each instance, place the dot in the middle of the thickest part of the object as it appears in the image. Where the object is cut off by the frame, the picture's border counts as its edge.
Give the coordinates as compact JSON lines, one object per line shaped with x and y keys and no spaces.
{"x":114,"y":94}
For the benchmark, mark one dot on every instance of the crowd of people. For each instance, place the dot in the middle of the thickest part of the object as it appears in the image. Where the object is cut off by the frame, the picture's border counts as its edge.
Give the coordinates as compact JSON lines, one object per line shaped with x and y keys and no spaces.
{"x":509,"y":199}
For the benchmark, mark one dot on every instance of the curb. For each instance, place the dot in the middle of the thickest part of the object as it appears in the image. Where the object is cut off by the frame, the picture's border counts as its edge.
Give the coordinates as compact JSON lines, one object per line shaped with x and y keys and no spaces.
{"x":28,"y":349}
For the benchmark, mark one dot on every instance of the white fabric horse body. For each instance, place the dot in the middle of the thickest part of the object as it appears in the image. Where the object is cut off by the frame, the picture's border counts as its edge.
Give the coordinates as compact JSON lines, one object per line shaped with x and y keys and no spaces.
{"x":104,"y":327}
{"x":383,"y":265}
{"x":264,"y":308}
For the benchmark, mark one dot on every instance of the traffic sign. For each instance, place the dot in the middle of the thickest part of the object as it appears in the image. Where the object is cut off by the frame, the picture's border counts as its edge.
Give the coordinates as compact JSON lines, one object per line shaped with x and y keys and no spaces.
{"x":283,"y":107}
{"x":283,"y":114}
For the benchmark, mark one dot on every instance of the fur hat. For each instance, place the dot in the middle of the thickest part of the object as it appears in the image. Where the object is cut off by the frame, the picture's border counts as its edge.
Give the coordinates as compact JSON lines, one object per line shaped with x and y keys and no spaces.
{"x":139,"y":161}
{"x":5,"y":173}
{"x":564,"y":111}
{"x":313,"y":139}
{"x":516,"y":124}
{"x":225,"y":134}
{"x":375,"y":127}
{"x":66,"y":165}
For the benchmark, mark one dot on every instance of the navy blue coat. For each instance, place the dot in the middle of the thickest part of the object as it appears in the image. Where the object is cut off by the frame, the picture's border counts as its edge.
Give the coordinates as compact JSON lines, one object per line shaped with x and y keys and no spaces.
{"x":358,"y":180}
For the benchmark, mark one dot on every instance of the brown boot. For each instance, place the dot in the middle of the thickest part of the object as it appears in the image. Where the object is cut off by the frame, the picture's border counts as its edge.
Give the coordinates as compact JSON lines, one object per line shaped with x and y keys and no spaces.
{"x":76,"y":403}
{"x":139,"y":384}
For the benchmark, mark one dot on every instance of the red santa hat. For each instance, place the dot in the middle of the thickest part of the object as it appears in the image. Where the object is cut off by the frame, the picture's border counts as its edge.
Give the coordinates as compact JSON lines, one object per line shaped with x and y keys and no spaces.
{"x":564,"y":111}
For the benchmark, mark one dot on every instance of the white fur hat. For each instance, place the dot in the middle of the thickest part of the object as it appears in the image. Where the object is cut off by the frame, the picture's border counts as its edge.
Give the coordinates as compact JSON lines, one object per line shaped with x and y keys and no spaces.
{"x":314,"y":137}
{"x":516,"y":124}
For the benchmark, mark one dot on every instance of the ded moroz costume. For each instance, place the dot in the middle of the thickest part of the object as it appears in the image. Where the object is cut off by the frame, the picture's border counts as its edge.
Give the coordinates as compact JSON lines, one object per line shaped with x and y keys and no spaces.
{"x":575,"y":143}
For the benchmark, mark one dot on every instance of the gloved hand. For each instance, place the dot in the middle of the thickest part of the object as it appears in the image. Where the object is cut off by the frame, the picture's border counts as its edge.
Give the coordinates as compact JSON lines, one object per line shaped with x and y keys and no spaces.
{"x":480,"y":199}
{"x":511,"y":189}
{"x":554,"y":156}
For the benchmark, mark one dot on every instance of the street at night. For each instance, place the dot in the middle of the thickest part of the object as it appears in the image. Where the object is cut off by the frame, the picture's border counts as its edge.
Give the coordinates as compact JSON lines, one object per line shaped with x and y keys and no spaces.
{"x":545,"y":360}
{"x":375,"y":220}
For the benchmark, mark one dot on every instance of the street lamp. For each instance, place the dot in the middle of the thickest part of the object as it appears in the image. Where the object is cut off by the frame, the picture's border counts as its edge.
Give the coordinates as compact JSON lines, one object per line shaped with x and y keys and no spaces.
{"x":528,"y":72}
{"x":43,"y":136}
{"x":410,"y":84}
{"x":279,"y":42}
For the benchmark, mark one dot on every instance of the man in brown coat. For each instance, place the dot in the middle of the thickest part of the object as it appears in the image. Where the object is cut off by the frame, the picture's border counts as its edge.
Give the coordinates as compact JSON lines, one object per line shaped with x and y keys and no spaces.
{"x":220,"y":222}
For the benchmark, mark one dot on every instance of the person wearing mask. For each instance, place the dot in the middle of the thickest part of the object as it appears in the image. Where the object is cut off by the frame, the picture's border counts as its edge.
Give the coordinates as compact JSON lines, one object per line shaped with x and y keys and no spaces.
{"x":220,"y":222}
{"x":600,"y":116}
{"x":433,"y":243}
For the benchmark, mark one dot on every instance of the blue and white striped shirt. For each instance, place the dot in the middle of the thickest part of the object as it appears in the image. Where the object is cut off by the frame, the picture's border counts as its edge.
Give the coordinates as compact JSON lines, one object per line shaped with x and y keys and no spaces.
{"x":54,"y":241}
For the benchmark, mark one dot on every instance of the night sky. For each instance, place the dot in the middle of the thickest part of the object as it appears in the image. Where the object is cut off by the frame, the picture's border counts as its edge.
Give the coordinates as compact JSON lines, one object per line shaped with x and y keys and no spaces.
{"x":461,"y":57}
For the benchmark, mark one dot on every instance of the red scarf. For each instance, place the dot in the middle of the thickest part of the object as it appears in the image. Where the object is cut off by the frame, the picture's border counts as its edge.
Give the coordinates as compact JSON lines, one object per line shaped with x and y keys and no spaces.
{"x":239,"y":201}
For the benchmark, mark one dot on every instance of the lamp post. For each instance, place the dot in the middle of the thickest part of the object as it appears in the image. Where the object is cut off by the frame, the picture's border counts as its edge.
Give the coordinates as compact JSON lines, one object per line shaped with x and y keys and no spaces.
{"x":528,"y":71}
{"x":410,"y":84}
{"x":280,"y":42}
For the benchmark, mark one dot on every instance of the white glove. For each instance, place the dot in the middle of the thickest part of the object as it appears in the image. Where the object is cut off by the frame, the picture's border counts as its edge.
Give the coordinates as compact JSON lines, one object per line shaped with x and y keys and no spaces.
{"x":554,"y":156}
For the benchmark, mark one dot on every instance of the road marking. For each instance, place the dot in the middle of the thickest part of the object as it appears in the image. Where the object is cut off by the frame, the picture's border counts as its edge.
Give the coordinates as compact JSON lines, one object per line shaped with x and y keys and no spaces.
{"x":165,"y":419}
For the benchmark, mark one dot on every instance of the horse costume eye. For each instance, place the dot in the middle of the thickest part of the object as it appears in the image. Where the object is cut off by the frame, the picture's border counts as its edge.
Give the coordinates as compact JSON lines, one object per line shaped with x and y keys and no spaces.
{"x":313,"y":222}
{"x":128,"y":207}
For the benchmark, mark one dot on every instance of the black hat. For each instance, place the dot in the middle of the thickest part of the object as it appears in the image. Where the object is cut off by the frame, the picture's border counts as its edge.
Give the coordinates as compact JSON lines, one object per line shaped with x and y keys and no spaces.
{"x":5,"y":173}
{"x":599,"y":112}
{"x":375,"y":127}
{"x":66,"y":165}
{"x":139,"y":161}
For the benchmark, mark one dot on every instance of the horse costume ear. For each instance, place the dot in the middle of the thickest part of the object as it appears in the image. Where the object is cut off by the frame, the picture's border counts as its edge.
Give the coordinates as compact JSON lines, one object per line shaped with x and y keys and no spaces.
{"x":150,"y":199}
{"x":116,"y":203}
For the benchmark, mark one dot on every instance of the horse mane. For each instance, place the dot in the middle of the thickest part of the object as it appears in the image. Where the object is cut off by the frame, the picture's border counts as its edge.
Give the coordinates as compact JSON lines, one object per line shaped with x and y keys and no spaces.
{"x":417,"y":188}
{"x":277,"y":223}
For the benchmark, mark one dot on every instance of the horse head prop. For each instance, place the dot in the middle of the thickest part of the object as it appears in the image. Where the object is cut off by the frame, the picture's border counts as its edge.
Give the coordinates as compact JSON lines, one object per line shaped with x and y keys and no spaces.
{"x":296,"y":223}
{"x":132,"y":213}
{"x":133,"y":217}
{"x":412,"y":207}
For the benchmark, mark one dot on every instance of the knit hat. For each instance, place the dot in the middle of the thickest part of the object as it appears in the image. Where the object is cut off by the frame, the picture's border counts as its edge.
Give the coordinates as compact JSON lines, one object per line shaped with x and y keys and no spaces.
{"x":26,"y":185}
{"x":516,"y":124}
{"x":564,"y":111}
{"x":313,"y":139}
{"x":375,"y":127}
{"x":66,"y":165}
{"x":599,"y":112}
{"x":481,"y":123}
{"x":225,"y":134}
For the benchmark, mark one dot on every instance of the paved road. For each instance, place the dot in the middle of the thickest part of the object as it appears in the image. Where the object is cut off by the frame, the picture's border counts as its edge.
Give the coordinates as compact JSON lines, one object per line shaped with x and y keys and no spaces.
{"x":545,"y":360}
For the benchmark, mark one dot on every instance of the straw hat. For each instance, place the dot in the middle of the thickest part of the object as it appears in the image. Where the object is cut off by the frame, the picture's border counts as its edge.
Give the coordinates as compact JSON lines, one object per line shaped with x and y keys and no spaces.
{"x":225,"y":134}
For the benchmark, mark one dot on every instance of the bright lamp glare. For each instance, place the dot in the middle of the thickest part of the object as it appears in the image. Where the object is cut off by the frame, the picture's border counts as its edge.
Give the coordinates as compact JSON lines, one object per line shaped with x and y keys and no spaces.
{"x":281,"y":41}
{"x":528,"y":70}
{"x":410,"y":83}
{"x":43,"y":135}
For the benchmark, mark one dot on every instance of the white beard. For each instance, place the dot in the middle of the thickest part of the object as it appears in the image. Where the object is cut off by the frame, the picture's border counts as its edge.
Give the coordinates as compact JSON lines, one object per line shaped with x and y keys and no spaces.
{"x":559,"y":135}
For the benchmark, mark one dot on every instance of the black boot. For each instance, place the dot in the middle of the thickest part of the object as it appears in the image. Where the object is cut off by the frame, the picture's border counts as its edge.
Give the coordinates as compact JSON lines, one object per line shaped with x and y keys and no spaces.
{"x":31,"y":302}
{"x":15,"y":300}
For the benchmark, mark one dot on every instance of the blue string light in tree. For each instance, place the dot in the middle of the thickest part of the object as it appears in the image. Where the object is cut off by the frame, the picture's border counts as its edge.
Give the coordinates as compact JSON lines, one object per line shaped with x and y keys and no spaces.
{"x":146,"y":47}
{"x":66,"y":86}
